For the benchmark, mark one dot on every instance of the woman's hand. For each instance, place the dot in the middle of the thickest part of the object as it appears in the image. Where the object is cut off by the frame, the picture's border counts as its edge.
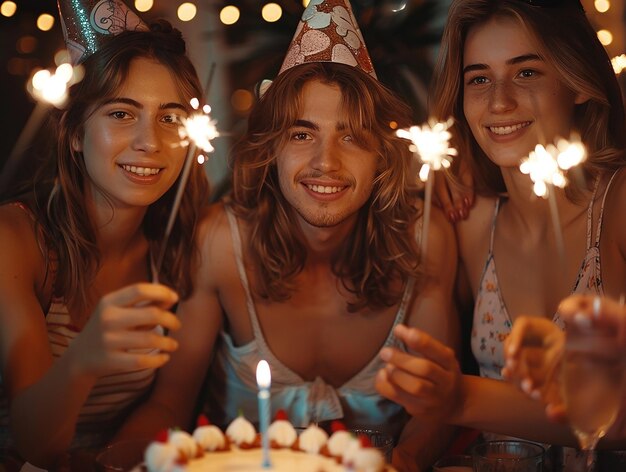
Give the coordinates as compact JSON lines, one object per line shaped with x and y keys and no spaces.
{"x":428,"y":385}
{"x":120,"y":334}
{"x":455,"y":198}
{"x":533,"y":353}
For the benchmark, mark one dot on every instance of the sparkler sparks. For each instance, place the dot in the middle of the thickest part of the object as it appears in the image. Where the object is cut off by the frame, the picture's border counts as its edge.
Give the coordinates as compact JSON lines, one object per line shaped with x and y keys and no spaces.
{"x":199,"y":128}
{"x":48,"y":89}
{"x":545,"y":165}
{"x":430,"y":142}
{"x":196,"y":131}
{"x":52,"y":87}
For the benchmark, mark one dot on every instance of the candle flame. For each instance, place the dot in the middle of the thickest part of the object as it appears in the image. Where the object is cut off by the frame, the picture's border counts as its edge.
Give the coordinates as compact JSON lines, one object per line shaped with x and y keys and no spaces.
{"x":263,"y":374}
{"x":198,"y":128}
{"x":431,"y":143}
{"x":545,"y":165}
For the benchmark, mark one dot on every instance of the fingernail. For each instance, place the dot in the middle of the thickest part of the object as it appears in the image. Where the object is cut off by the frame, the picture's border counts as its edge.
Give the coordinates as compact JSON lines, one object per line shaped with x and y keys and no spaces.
{"x":526,"y":385}
{"x":535,"y":395}
{"x":452,"y":216}
{"x":466,"y":201}
{"x":385,"y":354}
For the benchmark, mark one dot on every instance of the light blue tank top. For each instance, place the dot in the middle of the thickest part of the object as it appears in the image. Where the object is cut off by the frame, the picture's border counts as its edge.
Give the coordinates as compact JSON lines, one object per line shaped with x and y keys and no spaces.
{"x":232,"y":386}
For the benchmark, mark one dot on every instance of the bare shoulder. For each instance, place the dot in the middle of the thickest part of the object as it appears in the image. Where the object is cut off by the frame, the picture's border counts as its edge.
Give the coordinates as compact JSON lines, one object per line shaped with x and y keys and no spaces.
{"x":478,"y":221}
{"x":215,"y":243}
{"x":19,"y":248}
{"x":441,"y":239}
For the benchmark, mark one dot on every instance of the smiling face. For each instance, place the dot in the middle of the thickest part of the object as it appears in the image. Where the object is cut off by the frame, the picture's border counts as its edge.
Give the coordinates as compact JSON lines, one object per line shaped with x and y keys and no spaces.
{"x":513,"y":99}
{"x":324,"y":174}
{"x":130,"y":143}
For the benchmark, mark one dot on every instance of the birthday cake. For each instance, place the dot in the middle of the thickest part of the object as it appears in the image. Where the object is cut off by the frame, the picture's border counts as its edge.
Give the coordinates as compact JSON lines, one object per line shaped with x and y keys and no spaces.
{"x":239,"y":449}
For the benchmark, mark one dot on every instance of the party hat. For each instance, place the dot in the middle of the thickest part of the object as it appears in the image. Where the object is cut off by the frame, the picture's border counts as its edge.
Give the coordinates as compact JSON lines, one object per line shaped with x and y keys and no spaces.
{"x":86,"y":23}
{"x":328,"y":32}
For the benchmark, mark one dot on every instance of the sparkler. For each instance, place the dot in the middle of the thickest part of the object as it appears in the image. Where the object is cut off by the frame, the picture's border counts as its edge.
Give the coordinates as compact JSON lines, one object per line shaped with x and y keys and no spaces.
{"x":196,"y":131}
{"x":430,"y":143}
{"x":49,"y":90}
{"x":545,"y":166}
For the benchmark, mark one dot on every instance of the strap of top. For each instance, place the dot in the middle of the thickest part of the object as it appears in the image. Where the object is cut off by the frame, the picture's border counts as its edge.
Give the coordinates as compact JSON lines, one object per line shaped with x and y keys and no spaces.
{"x":237,"y":245}
{"x":493,"y":226}
{"x":256,"y":327}
{"x":606,"y":192}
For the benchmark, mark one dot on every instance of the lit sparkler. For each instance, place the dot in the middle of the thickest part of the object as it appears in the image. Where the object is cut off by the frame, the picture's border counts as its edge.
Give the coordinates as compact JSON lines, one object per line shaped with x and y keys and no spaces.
{"x":196,"y":131}
{"x":545,"y":166}
{"x":49,"y":89}
{"x":430,"y":143}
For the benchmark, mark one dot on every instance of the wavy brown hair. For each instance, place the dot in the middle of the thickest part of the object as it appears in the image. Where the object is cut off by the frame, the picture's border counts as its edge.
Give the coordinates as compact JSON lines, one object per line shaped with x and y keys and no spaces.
{"x":381,"y":248}
{"x":65,"y":228}
{"x":567,"y":41}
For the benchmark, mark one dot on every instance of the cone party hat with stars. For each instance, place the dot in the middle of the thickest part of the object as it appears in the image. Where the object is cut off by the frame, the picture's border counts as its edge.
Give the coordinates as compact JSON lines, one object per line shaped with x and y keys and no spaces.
{"x":86,"y":23}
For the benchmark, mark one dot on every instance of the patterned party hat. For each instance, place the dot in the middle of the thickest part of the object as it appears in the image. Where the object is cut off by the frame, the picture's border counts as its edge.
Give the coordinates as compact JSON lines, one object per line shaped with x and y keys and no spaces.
{"x":86,"y":23}
{"x":328,"y":32}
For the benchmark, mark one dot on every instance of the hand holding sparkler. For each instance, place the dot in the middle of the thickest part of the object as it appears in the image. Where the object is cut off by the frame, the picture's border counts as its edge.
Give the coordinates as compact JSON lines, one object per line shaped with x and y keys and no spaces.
{"x":430,"y":143}
{"x":545,"y":166}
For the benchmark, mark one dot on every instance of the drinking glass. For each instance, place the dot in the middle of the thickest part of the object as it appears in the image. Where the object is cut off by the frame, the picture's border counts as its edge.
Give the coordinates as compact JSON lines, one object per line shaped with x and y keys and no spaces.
{"x":592,"y":383}
{"x":508,"y":456}
{"x":379,"y":440}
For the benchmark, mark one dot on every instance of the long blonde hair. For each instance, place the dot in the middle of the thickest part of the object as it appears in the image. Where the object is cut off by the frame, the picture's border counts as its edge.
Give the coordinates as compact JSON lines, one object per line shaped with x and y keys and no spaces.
{"x":381,"y":248}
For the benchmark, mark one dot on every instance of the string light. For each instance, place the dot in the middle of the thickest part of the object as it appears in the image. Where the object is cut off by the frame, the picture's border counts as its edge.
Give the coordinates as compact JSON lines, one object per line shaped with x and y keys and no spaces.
{"x":8,"y":9}
{"x":271,"y":12}
{"x":144,"y":5}
{"x":187,"y":11}
{"x":45,"y":22}
{"x":229,"y":15}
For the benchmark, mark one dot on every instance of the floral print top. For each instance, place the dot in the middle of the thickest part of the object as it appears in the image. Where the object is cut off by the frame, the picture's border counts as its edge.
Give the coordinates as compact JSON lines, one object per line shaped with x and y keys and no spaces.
{"x":492,"y":322}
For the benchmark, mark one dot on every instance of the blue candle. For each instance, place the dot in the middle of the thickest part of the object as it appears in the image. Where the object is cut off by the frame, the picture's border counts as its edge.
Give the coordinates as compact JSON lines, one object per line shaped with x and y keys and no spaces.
{"x":264,"y":380}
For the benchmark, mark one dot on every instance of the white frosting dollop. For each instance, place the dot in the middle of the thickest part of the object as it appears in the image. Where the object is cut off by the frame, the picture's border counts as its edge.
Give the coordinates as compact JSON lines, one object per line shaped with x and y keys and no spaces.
{"x":183,"y":441}
{"x":351,"y":449}
{"x":312,"y":439}
{"x":368,"y":459}
{"x":241,"y":431}
{"x":338,"y":442}
{"x":160,"y":457}
{"x":209,"y":437}
{"x":283,"y":432}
